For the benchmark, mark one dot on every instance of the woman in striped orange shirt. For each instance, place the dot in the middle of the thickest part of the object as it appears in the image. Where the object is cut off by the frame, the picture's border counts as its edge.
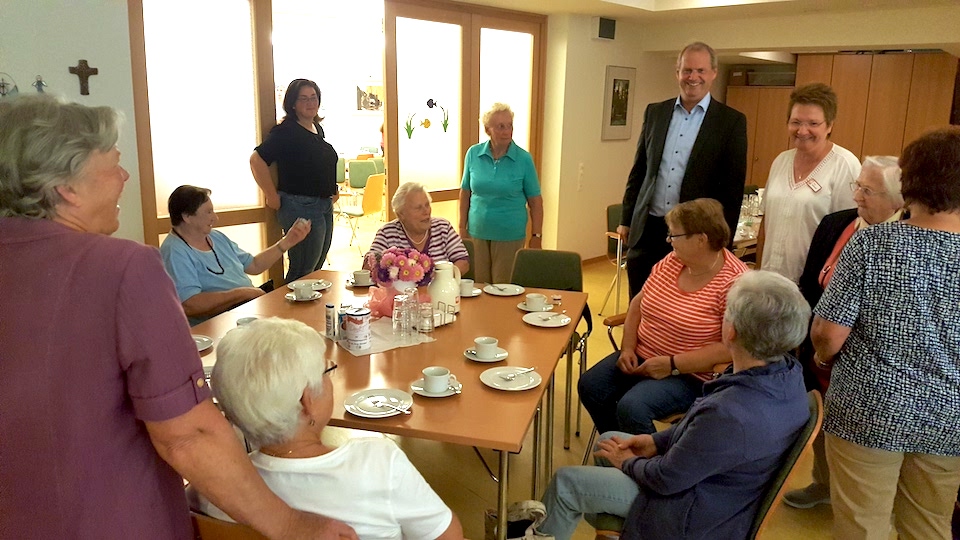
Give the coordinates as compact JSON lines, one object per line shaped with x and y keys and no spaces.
{"x":661,"y":367}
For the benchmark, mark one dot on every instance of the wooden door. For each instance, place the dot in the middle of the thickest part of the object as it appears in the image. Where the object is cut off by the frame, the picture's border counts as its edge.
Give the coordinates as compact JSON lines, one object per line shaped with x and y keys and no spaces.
{"x":772,"y":137}
{"x":887,"y":104}
{"x":745,"y":100}
{"x":931,"y":94}
{"x":850,"y":80}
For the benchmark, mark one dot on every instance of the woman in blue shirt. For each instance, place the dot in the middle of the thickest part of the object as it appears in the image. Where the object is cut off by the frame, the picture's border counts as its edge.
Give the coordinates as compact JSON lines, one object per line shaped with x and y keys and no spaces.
{"x":499,"y":182}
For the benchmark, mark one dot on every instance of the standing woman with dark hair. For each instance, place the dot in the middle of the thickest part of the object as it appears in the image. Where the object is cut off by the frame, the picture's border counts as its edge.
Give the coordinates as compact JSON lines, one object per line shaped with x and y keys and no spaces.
{"x":307,"y":175}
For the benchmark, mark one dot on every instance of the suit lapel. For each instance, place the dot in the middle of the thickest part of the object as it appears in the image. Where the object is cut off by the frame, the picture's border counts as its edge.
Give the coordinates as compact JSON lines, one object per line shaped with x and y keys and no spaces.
{"x":664,"y":115}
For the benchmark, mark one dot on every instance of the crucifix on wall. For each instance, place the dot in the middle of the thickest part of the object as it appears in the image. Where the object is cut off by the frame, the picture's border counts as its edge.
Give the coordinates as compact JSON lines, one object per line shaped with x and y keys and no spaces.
{"x":84,"y":71}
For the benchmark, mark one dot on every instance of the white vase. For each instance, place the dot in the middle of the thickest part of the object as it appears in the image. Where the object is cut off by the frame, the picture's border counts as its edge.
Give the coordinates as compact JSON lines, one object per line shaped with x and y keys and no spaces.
{"x":401,"y":286}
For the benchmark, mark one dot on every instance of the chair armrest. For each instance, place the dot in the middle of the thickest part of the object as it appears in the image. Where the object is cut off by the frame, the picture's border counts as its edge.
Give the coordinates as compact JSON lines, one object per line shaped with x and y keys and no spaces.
{"x":612,"y":235}
{"x":615,"y":320}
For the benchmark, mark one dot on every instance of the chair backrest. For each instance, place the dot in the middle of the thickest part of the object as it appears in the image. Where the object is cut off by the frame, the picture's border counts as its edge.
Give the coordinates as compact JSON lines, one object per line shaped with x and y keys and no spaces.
{"x":614,"y":213}
{"x":208,"y":528}
{"x":548,"y":269}
{"x":775,"y":491}
{"x":360,"y":170}
{"x":373,"y":194}
{"x":341,"y":170}
{"x":471,"y":250}
{"x":378,"y":162}
{"x":364,"y":156}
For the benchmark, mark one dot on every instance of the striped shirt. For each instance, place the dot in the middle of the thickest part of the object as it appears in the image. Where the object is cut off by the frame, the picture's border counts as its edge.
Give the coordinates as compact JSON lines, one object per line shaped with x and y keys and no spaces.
{"x":674,"y":321}
{"x":443,"y":242}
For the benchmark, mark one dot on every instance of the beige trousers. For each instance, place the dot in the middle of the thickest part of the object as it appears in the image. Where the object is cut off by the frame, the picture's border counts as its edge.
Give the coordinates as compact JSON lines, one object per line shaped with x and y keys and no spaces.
{"x":494,"y":260}
{"x":868,"y":485}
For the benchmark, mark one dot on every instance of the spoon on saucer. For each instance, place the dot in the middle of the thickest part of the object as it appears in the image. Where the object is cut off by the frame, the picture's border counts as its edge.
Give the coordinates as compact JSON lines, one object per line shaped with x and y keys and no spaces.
{"x":552,"y":315}
{"x":379,"y":403}
{"x":512,"y":376}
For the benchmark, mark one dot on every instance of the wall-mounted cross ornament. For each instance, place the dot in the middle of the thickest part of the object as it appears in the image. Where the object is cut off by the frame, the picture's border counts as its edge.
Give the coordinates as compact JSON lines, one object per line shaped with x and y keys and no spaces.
{"x":84,"y":71}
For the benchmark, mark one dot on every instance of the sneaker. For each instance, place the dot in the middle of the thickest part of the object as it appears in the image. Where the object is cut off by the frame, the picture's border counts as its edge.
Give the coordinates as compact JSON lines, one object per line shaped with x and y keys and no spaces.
{"x":808,"y":497}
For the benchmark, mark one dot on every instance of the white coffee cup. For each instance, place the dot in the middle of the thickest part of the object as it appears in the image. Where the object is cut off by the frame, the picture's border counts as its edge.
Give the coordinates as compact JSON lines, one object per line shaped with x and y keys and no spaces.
{"x":436,"y":379}
{"x":242,"y":321}
{"x":536,"y":301}
{"x":303,"y":291}
{"x":361,"y":277}
{"x":486,"y":347}
{"x":466,"y":287}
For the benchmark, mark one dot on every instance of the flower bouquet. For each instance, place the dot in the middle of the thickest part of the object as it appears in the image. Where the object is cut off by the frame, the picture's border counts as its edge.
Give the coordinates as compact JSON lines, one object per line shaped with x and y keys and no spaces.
{"x":396,"y":270}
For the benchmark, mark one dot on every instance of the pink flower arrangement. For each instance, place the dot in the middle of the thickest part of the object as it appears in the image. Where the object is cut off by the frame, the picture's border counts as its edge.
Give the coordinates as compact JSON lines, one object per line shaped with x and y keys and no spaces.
{"x":403,"y":264}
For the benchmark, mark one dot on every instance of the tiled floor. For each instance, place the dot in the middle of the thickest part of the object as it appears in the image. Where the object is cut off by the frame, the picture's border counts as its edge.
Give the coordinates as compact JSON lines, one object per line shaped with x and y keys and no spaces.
{"x":459,"y":477}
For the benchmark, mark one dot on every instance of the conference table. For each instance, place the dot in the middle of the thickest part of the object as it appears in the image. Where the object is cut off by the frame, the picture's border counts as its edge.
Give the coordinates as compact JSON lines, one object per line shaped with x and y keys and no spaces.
{"x":479,"y":416}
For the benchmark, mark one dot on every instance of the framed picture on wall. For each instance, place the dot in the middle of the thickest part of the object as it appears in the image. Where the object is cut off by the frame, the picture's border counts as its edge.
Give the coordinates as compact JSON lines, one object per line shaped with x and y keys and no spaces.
{"x":618,"y":101}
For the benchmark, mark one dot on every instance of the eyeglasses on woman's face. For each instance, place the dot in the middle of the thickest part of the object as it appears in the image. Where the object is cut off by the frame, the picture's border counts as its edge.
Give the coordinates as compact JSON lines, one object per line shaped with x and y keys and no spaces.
{"x":867,"y":192}
{"x":330,"y":367}
{"x":309,"y":99}
{"x":671,"y":237}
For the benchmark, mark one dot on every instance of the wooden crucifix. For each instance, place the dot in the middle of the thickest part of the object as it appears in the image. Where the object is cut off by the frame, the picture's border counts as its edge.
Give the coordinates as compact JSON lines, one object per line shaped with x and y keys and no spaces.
{"x":84,"y":71}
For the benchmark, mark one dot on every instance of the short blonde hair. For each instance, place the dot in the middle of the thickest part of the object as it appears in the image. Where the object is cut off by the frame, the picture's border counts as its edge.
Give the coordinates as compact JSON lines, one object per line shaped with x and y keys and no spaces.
{"x":262,"y":370}
{"x":399,"y":201}
{"x":494,"y":109}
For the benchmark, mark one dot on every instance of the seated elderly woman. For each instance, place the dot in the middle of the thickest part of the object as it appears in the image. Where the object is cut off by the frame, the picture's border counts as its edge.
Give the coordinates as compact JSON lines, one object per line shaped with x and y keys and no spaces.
{"x":273,"y":382}
{"x":415,"y":228}
{"x":877,"y":194}
{"x":671,"y":339}
{"x":210,"y":270}
{"x":705,"y":476}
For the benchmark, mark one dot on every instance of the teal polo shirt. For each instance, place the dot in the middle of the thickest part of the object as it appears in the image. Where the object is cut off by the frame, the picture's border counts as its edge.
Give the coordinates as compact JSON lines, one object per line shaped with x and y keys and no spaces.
{"x":499,"y":190}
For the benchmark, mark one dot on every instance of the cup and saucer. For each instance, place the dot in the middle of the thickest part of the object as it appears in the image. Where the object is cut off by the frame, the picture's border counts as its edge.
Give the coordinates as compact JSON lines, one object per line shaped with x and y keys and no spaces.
{"x":360,"y":278}
{"x":453,"y":387}
{"x":545,"y":307}
{"x":437,"y":381}
{"x":292,"y":296}
{"x":486,"y":349}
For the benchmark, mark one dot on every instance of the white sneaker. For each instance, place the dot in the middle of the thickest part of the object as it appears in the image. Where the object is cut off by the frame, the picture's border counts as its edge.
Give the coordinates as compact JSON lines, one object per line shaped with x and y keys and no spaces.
{"x":808,"y":497}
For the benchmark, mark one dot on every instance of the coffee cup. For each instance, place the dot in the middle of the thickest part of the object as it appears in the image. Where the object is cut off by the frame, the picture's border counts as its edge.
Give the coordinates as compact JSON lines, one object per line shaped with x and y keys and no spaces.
{"x":466,"y":287}
{"x":436,"y":379}
{"x":361,"y":277}
{"x":536,"y":301}
{"x":303,"y":291}
{"x":486,"y":347}
{"x":242,"y":321}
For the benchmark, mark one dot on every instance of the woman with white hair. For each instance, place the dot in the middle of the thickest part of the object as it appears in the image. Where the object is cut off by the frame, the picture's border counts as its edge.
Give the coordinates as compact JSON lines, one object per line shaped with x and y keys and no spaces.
{"x":499,"y":183}
{"x":273,"y":381}
{"x":705,"y":476}
{"x":415,"y":228}
{"x":877,"y":194}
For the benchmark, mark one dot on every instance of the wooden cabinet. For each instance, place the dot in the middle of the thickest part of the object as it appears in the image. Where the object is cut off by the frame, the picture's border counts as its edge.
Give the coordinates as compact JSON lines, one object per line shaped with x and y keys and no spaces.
{"x":766,"y":110}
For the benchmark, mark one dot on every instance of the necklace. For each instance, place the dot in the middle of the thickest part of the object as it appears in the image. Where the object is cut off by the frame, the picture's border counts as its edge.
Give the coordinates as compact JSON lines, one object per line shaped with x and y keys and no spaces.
{"x":708,"y":270}
{"x":216,"y":258}
{"x":288,"y":452}
{"x":416,"y":242}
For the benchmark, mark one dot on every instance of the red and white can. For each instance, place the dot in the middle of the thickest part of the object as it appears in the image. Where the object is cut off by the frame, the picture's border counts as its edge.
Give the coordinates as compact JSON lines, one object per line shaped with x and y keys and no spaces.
{"x":356,"y":326}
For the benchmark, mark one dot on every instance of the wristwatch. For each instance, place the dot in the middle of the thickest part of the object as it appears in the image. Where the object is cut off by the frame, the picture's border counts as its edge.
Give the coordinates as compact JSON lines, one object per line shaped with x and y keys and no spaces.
{"x":673,"y":367}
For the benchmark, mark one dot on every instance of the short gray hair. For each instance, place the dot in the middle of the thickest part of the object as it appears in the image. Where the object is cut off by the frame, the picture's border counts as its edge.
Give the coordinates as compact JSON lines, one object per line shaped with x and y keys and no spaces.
{"x":262,"y":370}
{"x":889,"y":169}
{"x":399,"y":200}
{"x":494,"y":109}
{"x":769,"y":314}
{"x":45,"y":143}
{"x":698,"y":46}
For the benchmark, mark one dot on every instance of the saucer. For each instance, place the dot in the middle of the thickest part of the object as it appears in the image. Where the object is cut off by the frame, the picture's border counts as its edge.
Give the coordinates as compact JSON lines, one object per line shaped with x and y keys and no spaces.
{"x":352,"y":283}
{"x":361,"y":403}
{"x":417,"y":388}
{"x":524,"y":381}
{"x":317,"y":284}
{"x":476,"y":292}
{"x":293,"y":297}
{"x":471,"y":354}
{"x":203,"y":342}
{"x":505,"y":289}
{"x":523,"y":306}
{"x":541,"y":320}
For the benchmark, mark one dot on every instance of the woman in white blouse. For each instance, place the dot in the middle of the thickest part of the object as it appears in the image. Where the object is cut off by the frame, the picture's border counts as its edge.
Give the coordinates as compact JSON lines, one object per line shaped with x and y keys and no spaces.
{"x":806,"y":182}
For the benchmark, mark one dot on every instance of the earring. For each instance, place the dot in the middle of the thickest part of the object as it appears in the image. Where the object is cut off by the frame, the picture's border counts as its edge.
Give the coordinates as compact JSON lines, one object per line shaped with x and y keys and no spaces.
{"x":312,"y":421}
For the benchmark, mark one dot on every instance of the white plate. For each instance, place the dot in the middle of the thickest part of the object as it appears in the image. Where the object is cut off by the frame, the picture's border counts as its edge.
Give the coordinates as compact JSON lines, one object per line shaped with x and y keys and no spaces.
{"x":293,"y":297}
{"x":203,"y":342}
{"x":351,"y":283}
{"x":417,"y":388}
{"x":474,"y":293}
{"x":471,"y":354}
{"x":544,"y":321}
{"x":509,"y":289}
{"x":524,"y":381}
{"x":317,"y":284}
{"x":361,"y":403}
{"x":523,"y":306}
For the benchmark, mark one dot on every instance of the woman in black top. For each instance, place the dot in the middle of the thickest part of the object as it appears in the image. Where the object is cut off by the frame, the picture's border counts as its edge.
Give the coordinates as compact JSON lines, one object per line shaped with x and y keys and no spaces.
{"x":307,"y":172}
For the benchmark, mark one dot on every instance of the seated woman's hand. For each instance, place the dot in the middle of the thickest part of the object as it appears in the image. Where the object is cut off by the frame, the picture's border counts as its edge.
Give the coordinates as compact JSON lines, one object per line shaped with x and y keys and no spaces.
{"x":657,"y":367}
{"x":617,"y":450}
{"x":296,"y":234}
{"x":628,"y":363}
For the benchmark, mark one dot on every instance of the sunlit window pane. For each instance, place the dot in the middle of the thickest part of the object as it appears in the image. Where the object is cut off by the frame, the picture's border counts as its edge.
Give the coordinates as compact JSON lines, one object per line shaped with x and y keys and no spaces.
{"x":506,"y":76}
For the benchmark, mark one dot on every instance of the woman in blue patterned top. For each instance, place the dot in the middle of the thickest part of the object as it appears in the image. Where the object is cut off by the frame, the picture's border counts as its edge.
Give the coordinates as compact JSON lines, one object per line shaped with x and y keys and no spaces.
{"x":889,"y":323}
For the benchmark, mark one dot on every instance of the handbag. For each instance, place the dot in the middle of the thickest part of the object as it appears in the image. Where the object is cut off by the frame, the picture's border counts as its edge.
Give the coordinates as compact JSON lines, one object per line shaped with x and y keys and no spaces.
{"x":523,"y":518}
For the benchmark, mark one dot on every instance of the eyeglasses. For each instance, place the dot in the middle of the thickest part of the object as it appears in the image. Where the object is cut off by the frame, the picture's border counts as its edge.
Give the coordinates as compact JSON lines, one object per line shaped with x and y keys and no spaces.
{"x":796,"y":124}
{"x":308,"y":99}
{"x":330,"y":368}
{"x":670,"y":237}
{"x":502,"y":127}
{"x":867,"y":192}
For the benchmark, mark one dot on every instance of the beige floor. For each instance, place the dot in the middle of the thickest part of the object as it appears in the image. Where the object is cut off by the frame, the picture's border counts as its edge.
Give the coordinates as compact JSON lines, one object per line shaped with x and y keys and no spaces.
{"x":459,"y":477}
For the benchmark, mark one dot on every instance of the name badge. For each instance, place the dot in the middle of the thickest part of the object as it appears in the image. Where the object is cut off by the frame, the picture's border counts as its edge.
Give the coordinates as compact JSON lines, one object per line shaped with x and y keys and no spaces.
{"x":814,"y":186}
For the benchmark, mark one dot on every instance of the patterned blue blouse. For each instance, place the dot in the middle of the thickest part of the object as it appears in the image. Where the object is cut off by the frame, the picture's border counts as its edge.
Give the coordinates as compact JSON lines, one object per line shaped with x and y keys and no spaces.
{"x":896,"y":383}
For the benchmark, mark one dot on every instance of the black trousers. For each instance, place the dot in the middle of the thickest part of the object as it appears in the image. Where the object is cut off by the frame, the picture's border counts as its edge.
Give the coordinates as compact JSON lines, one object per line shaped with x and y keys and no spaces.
{"x":650,"y":249}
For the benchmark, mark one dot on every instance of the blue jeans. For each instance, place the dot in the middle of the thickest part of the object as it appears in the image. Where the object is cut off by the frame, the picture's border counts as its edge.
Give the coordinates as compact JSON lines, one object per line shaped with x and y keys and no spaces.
{"x":586,"y":491}
{"x":308,"y":255}
{"x":620,"y":402}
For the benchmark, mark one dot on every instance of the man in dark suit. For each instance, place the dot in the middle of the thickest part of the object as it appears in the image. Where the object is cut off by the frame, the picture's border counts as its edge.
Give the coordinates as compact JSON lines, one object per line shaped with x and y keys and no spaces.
{"x":690,"y":147}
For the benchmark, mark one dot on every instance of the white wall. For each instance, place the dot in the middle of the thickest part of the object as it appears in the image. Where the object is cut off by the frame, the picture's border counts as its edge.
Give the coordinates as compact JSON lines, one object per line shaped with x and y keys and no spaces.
{"x":45,"y":37}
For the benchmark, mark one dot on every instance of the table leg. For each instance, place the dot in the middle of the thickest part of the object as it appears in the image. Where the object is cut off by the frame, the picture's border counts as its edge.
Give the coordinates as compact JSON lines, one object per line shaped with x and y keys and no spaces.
{"x":535,"y":471}
{"x":569,"y":396}
{"x":502,"y":496}
{"x":548,"y":444}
